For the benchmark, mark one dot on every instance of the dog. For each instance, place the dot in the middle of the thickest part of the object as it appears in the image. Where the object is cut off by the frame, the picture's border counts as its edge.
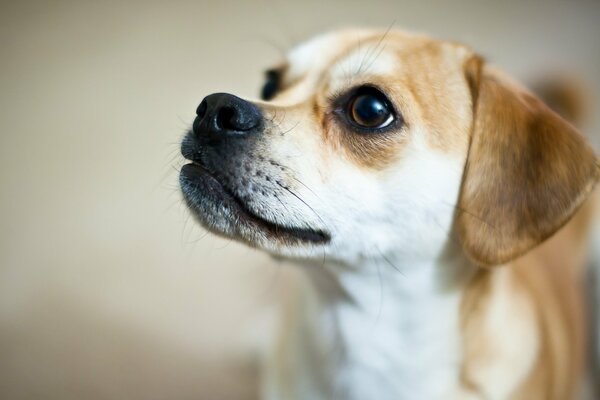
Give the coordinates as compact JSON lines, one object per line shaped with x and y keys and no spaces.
{"x":437,"y":208}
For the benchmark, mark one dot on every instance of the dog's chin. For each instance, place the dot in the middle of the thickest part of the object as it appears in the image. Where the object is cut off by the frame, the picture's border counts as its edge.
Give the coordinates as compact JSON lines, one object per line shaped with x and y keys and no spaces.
{"x":221,"y":212}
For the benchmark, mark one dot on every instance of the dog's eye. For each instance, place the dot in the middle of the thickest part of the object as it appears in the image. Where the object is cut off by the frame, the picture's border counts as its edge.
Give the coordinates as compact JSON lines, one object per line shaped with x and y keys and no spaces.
{"x":271,"y":86}
{"x":370,"y":109}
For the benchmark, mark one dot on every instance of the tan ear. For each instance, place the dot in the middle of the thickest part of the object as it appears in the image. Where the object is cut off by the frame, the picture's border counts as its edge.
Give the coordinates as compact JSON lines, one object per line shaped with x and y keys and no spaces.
{"x":527,"y":170}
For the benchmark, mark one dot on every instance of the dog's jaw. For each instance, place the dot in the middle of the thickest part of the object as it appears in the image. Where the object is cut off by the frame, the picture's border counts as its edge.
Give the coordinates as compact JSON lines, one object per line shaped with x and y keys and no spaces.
{"x":222,"y":212}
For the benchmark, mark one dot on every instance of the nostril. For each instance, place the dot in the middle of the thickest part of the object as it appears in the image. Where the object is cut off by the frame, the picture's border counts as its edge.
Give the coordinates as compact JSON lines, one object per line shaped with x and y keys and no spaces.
{"x":201,"y":110}
{"x":227,"y":119}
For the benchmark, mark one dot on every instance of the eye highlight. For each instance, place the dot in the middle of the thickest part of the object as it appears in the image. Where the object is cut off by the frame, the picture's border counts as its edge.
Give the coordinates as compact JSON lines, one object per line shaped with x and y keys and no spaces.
{"x":271,"y":86}
{"x":368,"y":108}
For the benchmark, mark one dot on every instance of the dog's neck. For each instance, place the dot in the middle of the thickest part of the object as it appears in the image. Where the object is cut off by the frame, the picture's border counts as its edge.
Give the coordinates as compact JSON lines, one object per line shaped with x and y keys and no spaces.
{"x":386,"y":327}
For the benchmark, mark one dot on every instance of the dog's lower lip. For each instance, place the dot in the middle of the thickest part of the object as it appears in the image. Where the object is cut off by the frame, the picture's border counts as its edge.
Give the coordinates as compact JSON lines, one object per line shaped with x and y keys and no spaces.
{"x":197,"y":171}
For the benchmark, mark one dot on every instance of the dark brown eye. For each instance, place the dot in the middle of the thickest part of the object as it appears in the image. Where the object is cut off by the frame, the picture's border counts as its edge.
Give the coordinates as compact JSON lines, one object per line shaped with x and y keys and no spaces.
{"x":271,"y":86}
{"x":370,"y":109}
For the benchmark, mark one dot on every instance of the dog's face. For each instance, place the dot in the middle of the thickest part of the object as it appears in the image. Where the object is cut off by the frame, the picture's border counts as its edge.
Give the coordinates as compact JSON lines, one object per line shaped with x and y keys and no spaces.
{"x":359,"y":149}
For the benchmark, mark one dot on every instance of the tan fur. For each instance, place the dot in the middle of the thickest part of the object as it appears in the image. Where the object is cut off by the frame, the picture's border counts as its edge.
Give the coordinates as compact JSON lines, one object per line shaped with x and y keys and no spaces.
{"x":549,"y":283}
{"x":527,"y":173}
{"x":549,"y":278}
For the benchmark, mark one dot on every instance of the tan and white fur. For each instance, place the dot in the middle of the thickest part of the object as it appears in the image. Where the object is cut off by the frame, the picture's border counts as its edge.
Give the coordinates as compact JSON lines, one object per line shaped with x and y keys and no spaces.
{"x":452,"y":270}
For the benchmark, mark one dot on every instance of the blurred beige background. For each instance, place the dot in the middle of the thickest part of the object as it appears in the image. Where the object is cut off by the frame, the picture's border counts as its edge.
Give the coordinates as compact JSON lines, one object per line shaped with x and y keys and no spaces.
{"x":107,"y":289}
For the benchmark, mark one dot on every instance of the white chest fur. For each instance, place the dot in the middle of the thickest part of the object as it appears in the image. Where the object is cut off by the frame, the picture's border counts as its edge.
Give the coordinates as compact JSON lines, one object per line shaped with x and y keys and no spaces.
{"x":380,"y":333}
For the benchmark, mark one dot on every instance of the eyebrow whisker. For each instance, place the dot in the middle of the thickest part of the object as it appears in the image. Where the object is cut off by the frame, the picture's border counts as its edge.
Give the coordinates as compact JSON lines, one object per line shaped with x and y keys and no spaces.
{"x":374,"y":49}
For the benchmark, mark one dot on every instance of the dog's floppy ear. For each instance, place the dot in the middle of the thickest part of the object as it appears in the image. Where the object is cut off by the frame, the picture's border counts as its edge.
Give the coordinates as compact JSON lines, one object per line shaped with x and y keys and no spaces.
{"x":527,"y":170}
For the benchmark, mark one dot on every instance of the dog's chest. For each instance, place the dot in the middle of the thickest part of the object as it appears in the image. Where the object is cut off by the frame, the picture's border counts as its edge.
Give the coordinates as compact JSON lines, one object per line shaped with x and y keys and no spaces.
{"x":397,"y":338}
{"x":401,"y":344}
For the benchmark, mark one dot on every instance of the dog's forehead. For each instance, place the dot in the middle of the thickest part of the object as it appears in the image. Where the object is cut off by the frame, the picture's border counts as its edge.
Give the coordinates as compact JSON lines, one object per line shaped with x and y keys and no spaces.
{"x":351,"y":53}
{"x":319,"y":52}
{"x":338,"y":55}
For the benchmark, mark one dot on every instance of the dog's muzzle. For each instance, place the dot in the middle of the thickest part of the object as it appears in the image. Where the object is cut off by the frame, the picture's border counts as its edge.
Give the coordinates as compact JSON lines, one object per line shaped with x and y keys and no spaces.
{"x":230,"y":179}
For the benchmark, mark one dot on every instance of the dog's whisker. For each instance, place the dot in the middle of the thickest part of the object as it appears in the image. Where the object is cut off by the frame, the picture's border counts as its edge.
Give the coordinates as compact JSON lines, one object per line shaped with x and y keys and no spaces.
{"x":373,"y":49}
{"x":291,"y":129}
{"x":282,"y":118}
{"x":282,"y":203}
{"x":365,"y":56}
{"x":449,"y":234}
{"x":302,"y":201}
{"x":387,"y":260}
{"x":375,"y":58}
{"x":281,"y":49}
{"x":381,"y":294}
{"x":183,"y":121}
{"x":281,"y":22}
{"x":471,"y":214}
{"x":307,"y":188}
{"x":380,"y":43}
{"x":198,"y":240}
{"x":274,"y":115}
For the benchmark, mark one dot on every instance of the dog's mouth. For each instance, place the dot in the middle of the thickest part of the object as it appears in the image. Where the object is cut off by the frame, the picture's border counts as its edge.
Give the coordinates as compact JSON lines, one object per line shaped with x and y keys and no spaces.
{"x":222,"y":212}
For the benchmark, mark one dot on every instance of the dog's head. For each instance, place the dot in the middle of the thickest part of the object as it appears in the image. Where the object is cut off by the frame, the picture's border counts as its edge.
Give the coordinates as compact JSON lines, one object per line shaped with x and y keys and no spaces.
{"x":369,"y":142}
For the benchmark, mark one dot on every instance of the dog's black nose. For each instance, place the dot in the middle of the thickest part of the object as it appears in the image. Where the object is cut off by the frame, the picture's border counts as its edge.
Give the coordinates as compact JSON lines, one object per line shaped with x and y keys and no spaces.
{"x":223,"y":115}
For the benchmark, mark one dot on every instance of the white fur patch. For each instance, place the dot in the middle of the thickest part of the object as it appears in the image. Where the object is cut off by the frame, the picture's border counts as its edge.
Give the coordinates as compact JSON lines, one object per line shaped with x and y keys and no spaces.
{"x":312,"y":55}
{"x":368,"y":60}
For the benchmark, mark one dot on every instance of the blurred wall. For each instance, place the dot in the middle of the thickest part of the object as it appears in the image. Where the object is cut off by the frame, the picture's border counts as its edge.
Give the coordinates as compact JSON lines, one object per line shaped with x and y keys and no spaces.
{"x":107,"y":289}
